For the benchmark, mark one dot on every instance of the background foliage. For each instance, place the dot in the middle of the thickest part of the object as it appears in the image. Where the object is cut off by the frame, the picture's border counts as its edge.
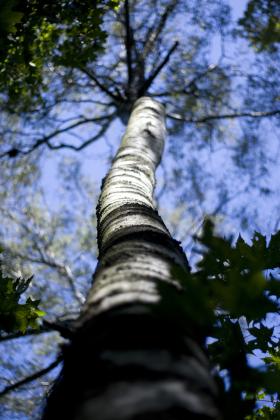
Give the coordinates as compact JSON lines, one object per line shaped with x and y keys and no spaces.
{"x":231,"y":299}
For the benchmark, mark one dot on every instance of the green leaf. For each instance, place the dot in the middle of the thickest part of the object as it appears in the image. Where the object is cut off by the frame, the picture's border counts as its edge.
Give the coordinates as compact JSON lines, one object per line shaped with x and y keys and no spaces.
{"x":36,"y":34}
{"x":229,"y":284}
{"x":15,"y":316}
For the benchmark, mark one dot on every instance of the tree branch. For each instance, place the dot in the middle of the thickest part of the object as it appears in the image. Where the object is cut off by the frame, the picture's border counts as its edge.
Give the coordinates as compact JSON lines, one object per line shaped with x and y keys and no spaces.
{"x":154,"y":32}
{"x":128,"y":42}
{"x":116,"y":96}
{"x":83,"y":145}
{"x":187,"y":90}
{"x":14,"y":152}
{"x":152,"y":77}
{"x":252,"y":114}
{"x":31,"y":378}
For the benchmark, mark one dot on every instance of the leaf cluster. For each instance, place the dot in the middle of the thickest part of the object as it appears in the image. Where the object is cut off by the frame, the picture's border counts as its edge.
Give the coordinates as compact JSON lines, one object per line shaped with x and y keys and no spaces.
{"x":36,"y":36}
{"x":228,"y":299}
{"x":14,"y":315}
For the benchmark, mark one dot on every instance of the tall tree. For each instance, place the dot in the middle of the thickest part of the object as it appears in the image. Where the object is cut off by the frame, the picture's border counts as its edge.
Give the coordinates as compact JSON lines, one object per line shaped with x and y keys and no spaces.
{"x":129,"y":358}
{"x":210,"y":98}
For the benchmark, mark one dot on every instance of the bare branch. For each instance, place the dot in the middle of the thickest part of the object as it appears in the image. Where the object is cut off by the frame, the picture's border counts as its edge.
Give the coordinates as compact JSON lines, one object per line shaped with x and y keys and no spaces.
{"x":154,"y":32}
{"x":84,"y":144}
{"x":31,"y":378}
{"x":64,"y":327}
{"x":116,"y":96}
{"x":152,"y":77}
{"x":189,"y":89}
{"x":128,"y":42}
{"x":252,"y":114}
{"x":170,"y":93}
{"x":14,"y":152}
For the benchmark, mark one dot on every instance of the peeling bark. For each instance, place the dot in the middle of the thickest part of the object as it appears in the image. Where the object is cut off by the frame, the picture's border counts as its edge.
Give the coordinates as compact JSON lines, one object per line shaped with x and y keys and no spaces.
{"x":127,"y":359}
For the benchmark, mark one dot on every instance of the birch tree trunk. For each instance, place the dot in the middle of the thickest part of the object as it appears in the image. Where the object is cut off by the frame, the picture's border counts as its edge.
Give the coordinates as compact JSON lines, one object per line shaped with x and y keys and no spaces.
{"x":128,"y":359}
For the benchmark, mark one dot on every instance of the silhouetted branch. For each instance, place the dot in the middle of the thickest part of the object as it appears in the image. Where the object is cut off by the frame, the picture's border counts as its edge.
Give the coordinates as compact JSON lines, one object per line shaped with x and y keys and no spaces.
{"x":85,"y":143}
{"x":187,"y":89}
{"x":117,"y":97}
{"x":155,"y":31}
{"x":128,"y":42}
{"x":31,"y":378}
{"x":14,"y":152}
{"x":152,"y":77}
{"x":252,"y":114}
{"x":64,"y":327}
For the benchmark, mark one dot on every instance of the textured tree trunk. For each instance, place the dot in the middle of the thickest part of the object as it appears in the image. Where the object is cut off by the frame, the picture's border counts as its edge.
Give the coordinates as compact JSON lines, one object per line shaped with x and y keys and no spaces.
{"x":129,"y":357}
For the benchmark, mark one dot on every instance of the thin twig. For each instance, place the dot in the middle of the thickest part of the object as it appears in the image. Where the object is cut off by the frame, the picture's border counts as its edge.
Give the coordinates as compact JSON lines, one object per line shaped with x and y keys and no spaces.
{"x":92,"y":76}
{"x":152,"y":77}
{"x":83,"y":145}
{"x":128,"y":42}
{"x":154,"y":32}
{"x":14,"y":152}
{"x":252,"y":114}
{"x":31,"y":378}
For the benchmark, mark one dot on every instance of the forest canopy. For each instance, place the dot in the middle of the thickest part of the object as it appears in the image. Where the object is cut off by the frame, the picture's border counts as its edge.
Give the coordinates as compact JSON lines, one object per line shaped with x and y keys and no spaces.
{"x":36,"y":35}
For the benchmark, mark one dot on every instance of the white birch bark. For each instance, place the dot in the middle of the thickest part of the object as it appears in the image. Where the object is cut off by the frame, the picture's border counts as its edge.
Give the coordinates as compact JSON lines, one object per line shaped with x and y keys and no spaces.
{"x":126,"y":361}
{"x":131,"y":264}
